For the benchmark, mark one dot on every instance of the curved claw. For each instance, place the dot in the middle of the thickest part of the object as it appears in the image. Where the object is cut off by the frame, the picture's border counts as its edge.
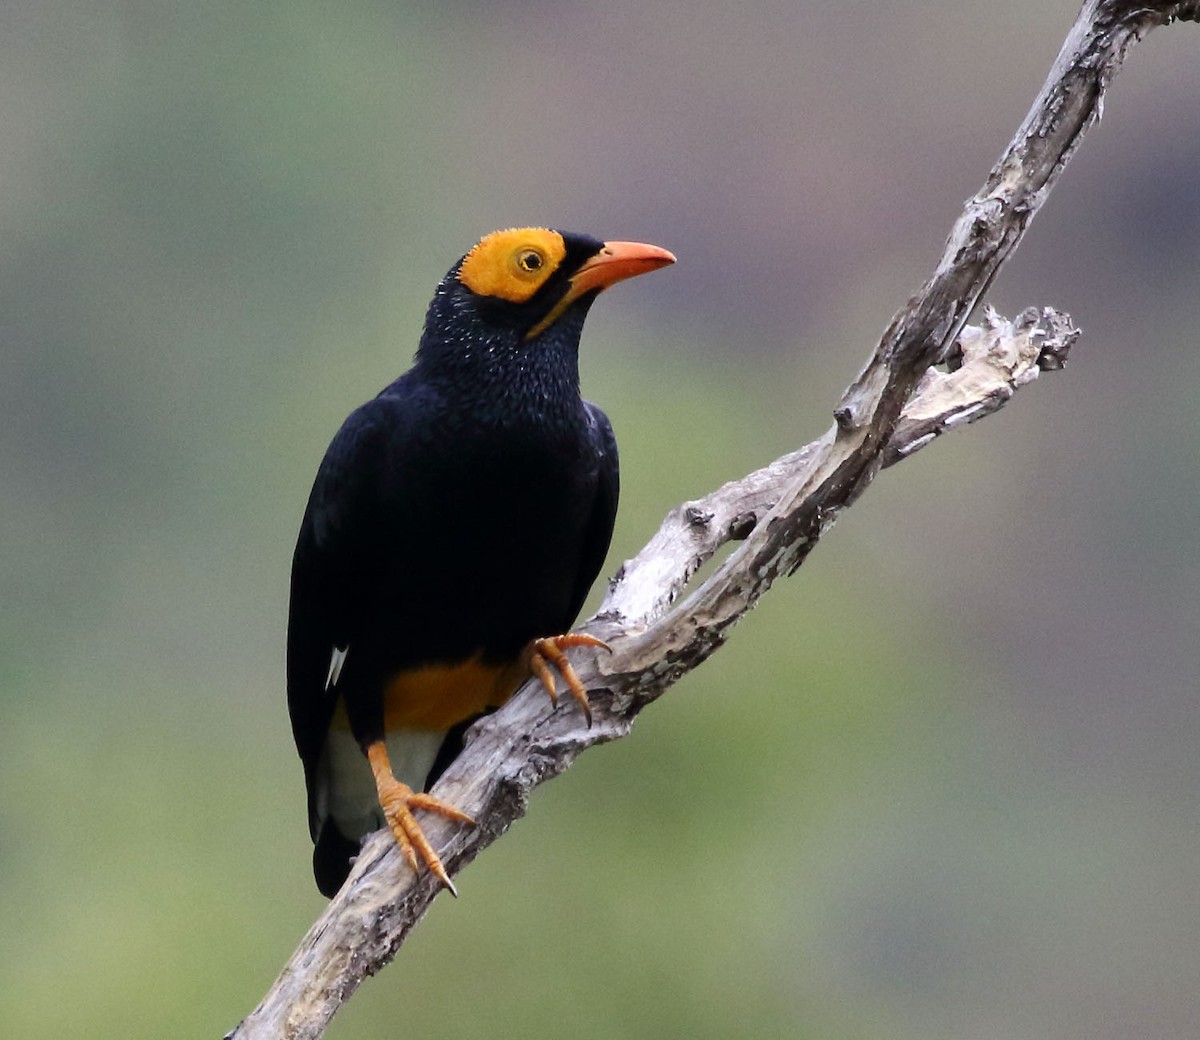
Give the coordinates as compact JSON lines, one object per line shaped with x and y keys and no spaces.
{"x":550,"y":651}
{"x":398,"y":800}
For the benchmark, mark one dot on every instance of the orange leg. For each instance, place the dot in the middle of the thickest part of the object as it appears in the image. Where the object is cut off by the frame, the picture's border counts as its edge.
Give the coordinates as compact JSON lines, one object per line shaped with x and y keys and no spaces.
{"x":398,"y":802}
{"x":549,"y":651}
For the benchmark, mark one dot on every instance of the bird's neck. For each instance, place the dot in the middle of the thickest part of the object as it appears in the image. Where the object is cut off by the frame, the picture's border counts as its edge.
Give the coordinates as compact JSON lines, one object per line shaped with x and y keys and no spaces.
{"x":499,"y":377}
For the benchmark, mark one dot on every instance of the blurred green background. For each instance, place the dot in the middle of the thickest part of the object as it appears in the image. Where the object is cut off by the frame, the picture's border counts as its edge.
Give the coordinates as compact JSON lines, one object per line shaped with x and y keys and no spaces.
{"x":942,"y":784}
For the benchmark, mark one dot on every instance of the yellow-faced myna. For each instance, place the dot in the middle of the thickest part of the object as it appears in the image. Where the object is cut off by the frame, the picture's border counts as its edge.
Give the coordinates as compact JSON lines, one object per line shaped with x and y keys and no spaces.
{"x":453,"y":530}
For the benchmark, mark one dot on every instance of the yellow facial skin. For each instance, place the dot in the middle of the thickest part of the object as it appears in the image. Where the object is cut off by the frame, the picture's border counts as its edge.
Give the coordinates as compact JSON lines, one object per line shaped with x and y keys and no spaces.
{"x":512,"y":265}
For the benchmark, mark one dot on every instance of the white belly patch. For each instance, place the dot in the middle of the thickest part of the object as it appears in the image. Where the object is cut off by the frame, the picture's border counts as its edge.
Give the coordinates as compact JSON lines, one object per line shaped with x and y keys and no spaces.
{"x":346,"y":788}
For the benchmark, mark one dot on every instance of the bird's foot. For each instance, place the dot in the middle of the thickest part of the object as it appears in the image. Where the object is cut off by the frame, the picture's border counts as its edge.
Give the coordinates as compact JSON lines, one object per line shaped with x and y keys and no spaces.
{"x":543,"y":653}
{"x":398,"y":800}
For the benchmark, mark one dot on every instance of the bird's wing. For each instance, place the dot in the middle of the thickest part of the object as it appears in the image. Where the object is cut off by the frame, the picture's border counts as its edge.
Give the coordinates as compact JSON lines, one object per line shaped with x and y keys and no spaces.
{"x":327,"y":569}
{"x":598,"y":533}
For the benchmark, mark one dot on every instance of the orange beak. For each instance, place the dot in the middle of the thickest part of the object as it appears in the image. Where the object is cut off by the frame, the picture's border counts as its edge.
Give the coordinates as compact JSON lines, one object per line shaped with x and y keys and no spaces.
{"x":614,"y":263}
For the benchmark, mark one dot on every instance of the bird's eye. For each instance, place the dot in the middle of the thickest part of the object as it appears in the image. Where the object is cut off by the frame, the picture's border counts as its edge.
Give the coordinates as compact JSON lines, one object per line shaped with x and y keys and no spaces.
{"x":510,"y":265}
{"x":529,"y":260}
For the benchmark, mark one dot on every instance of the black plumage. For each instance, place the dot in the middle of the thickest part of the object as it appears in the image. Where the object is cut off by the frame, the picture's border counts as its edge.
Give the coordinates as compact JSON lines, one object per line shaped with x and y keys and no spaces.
{"x":458,"y":516}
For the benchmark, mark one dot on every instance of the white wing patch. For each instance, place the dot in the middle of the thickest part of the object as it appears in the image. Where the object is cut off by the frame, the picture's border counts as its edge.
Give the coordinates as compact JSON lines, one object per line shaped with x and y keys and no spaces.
{"x":336,"y":660}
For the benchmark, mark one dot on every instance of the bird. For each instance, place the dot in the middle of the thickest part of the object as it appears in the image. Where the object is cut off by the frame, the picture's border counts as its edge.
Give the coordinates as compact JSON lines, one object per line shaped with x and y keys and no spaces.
{"x":454,"y":528}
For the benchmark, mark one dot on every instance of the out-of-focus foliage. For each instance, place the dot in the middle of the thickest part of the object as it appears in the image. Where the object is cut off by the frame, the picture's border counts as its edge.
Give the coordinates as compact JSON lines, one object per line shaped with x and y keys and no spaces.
{"x":943,"y":783}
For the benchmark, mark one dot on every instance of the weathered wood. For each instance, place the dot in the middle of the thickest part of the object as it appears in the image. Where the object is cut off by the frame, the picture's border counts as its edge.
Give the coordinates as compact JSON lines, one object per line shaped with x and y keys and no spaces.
{"x":660,"y":629}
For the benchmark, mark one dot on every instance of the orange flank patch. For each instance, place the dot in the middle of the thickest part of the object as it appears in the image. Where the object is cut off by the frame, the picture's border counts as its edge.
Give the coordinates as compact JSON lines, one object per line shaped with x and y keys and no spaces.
{"x":438,"y":696}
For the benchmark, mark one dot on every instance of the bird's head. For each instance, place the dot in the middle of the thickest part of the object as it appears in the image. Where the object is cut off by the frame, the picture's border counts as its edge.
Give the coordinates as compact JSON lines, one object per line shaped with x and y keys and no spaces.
{"x":524,"y":290}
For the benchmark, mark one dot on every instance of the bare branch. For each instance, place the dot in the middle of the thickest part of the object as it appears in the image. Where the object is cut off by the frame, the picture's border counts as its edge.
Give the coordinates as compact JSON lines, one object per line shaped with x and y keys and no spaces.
{"x":658,"y":629}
